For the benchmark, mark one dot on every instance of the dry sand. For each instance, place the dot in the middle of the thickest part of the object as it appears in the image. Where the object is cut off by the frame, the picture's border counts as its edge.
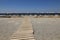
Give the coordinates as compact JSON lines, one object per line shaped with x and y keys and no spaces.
{"x":44,"y":28}
{"x":8,"y":26}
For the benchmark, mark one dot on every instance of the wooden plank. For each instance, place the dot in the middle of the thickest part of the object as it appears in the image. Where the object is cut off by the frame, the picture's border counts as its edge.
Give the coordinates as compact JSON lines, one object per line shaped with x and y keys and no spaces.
{"x":25,"y":32}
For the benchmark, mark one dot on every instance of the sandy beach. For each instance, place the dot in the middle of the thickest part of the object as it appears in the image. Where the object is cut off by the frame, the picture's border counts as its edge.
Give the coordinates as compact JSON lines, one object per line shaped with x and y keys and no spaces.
{"x":44,"y":28}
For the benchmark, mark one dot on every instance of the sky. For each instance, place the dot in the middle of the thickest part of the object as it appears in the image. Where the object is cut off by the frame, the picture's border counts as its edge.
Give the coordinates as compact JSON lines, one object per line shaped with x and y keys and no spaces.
{"x":29,"y":6}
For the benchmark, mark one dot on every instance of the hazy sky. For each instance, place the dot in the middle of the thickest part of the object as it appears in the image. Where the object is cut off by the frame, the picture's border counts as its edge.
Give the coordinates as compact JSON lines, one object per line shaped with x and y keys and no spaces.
{"x":29,"y":6}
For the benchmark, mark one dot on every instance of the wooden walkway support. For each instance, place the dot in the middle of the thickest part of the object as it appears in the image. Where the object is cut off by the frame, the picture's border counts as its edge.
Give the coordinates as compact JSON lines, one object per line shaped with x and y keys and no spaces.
{"x":25,"y":32}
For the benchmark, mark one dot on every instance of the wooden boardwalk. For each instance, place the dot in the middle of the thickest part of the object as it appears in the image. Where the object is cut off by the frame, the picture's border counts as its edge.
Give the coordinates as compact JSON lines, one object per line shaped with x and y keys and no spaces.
{"x":25,"y":32}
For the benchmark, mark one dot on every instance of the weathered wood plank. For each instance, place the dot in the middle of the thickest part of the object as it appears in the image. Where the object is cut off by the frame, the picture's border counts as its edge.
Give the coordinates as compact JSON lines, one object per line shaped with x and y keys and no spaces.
{"x":25,"y":32}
